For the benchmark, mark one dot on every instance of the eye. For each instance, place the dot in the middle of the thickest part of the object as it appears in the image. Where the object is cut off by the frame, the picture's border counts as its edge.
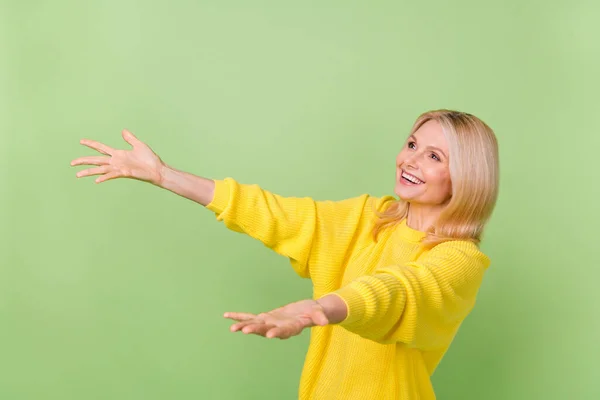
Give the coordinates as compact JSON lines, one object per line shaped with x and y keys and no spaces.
{"x":411,"y":145}
{"x":435,"y":157}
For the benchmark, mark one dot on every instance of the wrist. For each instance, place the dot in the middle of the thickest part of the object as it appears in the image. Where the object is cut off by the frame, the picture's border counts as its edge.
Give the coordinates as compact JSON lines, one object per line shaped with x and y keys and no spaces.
{"x":163,"y":176}
{"x":334,"y":308}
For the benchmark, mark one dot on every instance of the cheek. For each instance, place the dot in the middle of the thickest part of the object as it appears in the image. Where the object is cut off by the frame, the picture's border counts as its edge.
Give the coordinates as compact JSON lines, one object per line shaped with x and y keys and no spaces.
{"x":399,"y":159}
{"x":440,"y":178}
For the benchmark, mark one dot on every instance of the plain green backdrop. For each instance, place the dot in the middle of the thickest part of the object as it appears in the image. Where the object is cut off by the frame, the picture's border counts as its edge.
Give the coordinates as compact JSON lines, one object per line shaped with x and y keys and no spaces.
{"x":116,"y":291}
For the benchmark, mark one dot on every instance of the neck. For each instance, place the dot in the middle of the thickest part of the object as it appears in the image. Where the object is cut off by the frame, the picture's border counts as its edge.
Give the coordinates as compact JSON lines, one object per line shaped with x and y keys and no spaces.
{"x":422,"y":217}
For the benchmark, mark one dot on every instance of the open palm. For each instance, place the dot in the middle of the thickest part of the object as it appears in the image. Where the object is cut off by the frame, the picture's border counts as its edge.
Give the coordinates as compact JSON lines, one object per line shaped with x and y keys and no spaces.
{"x":139,"y":163}
{"x":283,"y":322}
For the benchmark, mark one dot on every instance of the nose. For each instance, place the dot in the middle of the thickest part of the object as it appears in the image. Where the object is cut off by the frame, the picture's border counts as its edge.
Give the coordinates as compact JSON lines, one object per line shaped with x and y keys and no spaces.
{"x":411,"y":161}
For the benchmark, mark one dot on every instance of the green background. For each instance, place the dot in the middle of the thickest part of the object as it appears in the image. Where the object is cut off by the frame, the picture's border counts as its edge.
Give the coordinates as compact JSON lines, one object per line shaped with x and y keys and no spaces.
{"x":116,"y":291}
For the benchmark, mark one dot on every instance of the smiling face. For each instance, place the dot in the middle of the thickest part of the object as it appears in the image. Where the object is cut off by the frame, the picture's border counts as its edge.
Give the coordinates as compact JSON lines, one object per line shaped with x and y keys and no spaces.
{"x":422,"y":167}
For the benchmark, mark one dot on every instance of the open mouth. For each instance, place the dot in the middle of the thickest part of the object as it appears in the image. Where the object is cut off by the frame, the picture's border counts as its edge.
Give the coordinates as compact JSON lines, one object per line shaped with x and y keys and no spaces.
{"x":410,"y":179}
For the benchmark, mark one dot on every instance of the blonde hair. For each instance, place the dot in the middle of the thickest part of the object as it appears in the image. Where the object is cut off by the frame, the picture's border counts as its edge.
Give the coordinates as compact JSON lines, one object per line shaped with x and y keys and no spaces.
{"x":474,"y":174}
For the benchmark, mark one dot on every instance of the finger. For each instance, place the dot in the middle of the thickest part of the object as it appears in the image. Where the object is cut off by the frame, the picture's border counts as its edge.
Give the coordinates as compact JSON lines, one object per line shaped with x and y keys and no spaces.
{"x":240,"y":325}
{"x":257,"y":329}
{"x":279,"y":332}
{"x":239,"y":316}
{"x":130,"y":138}
{"x":102,"y":148}
{"x":93,"y":171}
{"x":107,"y":177}
{"x":94,"y":160}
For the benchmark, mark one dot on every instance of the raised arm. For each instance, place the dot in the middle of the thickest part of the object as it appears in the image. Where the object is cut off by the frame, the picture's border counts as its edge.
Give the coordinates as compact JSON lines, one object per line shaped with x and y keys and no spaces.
{"x":314,"y":235}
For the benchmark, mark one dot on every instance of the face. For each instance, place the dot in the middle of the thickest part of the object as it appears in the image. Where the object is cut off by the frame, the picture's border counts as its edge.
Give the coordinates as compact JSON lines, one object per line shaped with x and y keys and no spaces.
{"x":422,"y":168}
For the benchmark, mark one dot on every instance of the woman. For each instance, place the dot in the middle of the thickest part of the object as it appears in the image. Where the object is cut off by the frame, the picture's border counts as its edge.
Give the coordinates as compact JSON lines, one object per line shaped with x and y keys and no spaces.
{"x":393,"y":278}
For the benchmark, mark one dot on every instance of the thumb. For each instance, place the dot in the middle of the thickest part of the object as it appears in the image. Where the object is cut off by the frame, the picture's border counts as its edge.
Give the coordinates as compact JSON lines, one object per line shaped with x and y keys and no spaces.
{"x":130,"y":138}
{"x":319,"y":318}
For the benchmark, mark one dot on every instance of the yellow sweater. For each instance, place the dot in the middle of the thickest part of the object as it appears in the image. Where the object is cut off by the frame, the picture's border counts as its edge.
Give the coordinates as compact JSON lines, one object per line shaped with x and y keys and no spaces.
{"x":405,"y":303}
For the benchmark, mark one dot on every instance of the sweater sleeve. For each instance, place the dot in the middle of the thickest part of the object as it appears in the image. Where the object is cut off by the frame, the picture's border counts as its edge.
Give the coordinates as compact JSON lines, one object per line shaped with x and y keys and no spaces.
{"x":420,"y":303}
{"x":312,"y":234}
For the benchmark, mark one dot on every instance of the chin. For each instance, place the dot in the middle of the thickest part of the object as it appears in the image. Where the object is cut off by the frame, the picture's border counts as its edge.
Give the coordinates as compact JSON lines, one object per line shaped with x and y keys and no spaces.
{"x":402,"y":193}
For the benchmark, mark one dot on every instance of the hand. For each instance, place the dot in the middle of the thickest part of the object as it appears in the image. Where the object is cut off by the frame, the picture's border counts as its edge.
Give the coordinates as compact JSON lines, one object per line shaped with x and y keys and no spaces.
{"x":283,"y":322}
{"x":140,"y":163}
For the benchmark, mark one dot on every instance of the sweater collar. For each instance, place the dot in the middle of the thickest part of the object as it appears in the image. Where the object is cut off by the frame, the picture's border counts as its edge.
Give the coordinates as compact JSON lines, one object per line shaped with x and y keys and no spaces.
{"x":408,"y":233}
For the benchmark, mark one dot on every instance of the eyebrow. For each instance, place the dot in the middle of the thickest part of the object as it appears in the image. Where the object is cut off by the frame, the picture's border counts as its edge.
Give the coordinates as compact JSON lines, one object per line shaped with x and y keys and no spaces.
{"x":430,"y":147}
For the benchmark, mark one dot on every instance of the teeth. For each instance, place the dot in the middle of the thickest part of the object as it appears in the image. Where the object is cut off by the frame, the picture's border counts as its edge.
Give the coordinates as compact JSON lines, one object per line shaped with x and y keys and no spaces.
{"x":411,"y":178}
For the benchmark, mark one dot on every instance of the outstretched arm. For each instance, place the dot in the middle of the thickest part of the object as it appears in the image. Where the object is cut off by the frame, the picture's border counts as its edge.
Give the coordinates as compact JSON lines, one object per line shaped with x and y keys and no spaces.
{"x":314,"y":235}
{"x":421,"y":303}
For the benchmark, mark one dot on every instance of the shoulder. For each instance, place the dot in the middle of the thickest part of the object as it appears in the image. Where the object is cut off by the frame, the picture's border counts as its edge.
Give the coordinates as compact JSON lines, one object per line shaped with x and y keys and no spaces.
{"x":378,"y":203}
{"x":456,"y":253}
{"x":366,"y":203}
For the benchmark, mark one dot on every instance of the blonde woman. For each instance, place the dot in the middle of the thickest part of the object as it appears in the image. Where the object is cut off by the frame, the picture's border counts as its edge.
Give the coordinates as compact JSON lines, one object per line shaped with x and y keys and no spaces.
{"x":393,"y":278}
